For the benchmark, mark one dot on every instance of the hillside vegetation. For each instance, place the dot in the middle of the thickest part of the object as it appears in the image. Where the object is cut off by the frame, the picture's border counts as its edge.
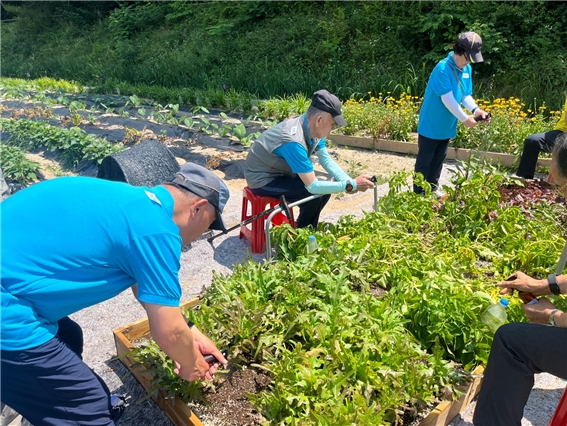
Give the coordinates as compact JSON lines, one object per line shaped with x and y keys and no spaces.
{"x":278,"y":48}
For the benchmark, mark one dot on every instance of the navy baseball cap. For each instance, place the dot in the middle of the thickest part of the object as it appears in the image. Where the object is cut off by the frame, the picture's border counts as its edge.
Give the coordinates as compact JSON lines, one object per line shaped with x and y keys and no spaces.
{"x":472,"y":43}
{"x":328,"y":102}
{"x":205,"y":184}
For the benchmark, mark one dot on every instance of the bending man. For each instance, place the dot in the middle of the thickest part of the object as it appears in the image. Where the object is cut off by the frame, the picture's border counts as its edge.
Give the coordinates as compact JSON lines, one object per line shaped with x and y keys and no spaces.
{"x":73,"y":242}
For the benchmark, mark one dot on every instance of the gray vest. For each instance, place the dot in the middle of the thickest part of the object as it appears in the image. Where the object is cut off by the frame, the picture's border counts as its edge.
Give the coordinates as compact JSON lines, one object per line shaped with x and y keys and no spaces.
{"x":262,"y":165}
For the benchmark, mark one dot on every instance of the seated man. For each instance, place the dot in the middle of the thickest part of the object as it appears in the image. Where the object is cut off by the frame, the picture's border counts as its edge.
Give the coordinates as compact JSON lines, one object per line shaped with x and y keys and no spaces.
{"x":520,"y":350}
{"x":279,"y":163}
{"x":540,"y":142}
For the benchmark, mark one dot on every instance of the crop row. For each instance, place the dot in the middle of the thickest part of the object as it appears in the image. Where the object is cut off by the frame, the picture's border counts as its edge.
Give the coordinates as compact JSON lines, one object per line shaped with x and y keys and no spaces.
{"x":73,"y":144}
{"x":381,"y":116}
{"x":374,"y":327}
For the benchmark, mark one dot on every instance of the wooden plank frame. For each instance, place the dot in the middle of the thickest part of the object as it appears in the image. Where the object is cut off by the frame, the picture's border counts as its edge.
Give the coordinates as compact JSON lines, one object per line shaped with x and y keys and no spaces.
{"x":181,"y":415}
{"x":174,"y":408}
{"x":400,"y":147}
{"x":446,"y":411}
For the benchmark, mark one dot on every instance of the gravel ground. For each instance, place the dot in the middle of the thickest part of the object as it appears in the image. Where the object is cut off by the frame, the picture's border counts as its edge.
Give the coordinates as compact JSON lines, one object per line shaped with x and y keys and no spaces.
{"x":197,"y":266}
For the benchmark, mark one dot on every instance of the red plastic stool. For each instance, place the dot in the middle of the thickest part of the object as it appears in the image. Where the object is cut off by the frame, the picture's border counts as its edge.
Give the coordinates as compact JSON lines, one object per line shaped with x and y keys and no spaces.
{"x":252,"y":205}
{"x":560,"y":416}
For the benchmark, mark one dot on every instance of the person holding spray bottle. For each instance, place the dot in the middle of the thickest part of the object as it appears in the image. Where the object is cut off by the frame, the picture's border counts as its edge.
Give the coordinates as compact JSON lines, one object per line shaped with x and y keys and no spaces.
{"x":520,"y":350}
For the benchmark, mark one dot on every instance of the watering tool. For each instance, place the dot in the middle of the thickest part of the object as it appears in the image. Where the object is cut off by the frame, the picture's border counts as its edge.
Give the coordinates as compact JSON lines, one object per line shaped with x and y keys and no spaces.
{"x":282,"y":206}
{"x":374,"y":180}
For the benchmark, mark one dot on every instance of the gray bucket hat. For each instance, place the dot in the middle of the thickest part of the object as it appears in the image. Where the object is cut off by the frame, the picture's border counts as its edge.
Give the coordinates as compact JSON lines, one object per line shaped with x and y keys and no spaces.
{"x":207,"y":185}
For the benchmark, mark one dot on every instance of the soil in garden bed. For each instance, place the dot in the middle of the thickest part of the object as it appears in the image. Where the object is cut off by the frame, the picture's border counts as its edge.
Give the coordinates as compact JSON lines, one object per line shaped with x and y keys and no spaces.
{"x":229,"y":404}
{"x":533,"y":191}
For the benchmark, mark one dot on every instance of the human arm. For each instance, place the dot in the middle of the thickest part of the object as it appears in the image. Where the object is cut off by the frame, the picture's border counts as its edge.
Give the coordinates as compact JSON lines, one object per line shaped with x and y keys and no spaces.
{"x":452,"y":105}
{"x":296,"y":157}
{"x":184,"y":345}
{"x":538,"y":313}
{"x":361,"y":183}
{"x":534,"y":286}
{"x":330,"y":165}
{"x":316,"y":186}
{"x":472,"y":106}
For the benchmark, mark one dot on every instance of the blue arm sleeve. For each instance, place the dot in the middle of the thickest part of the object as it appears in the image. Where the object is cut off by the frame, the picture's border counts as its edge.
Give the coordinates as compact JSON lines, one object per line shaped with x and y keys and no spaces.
{"x":330,"y":165}
{"x":296,"y":157}
{"x":327,"y":187}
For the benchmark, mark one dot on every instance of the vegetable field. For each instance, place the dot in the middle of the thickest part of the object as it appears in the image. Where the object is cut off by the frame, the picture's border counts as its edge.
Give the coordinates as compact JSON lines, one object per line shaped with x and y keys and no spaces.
{"x":166,"y":114}
{"x":383,"y":321}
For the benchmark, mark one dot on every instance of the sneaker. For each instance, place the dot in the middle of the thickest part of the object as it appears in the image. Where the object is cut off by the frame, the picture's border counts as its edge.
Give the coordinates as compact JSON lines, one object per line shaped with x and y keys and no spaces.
{"x":118,"y":403}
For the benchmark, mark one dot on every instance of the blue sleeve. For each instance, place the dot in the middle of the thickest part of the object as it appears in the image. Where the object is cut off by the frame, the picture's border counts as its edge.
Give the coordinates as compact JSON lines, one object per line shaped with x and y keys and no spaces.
{"x":325,"y":187}
{"x":331,"y":166}
{"x":153,"y":261}
{"x":296,"y":157}
{"x":441,"y":79}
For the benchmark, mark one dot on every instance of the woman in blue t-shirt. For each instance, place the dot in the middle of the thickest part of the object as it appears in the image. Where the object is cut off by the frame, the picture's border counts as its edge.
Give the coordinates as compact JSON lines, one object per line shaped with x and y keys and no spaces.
{"x":449,"y":86}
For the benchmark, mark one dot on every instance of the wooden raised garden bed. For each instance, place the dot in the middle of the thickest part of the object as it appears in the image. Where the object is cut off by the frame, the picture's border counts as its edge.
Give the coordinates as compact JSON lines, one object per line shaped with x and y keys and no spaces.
{"x":411,"y":148}
{"x":175,"y":408}
{"x":181,"y":415}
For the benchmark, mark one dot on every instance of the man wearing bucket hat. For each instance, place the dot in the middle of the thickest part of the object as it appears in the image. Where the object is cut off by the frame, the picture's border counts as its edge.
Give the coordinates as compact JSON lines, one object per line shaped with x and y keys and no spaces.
{"x":72,"y":242}
{"x":279,"y":161}
{"x":449,"y":86}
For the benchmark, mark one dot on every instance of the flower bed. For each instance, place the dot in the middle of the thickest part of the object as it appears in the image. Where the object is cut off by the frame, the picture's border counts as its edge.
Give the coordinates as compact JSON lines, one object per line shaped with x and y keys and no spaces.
{"x":385,"y":117}
{"x":453,"y":153}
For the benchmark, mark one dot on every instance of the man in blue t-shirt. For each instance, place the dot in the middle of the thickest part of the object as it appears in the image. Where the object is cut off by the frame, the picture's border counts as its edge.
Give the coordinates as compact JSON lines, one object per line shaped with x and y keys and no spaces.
{"x":73,"y":242}
{"x":279,"y":161}
{"x":449,"y":86}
